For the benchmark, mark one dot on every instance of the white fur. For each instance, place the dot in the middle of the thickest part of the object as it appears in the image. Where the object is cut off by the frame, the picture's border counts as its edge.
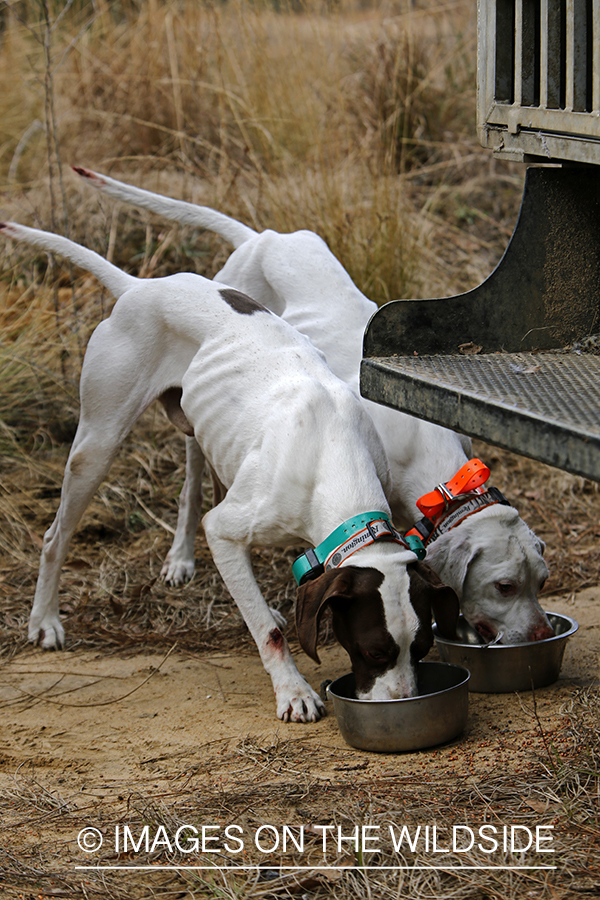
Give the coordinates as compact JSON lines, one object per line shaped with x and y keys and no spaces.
{"x":286,"y":438}
{"x":296,"y":276}
{"x":402,"y":623}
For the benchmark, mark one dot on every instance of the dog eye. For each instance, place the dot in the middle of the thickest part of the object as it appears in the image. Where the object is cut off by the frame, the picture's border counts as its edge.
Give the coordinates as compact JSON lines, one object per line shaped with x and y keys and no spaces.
{"x":505,"y":588}
{"x":375,"y":655}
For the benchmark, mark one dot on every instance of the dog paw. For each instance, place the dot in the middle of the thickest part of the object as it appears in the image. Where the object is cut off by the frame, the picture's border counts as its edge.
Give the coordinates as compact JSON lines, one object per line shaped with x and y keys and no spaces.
{"x":48,"y":635}
{"x":177,"y":571}
{"x":280,"y":620}
{"x":303,"y":705}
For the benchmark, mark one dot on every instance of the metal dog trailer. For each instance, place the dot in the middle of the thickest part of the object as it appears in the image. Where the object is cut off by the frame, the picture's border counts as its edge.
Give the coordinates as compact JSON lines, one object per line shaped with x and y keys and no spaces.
{"x":532,"y":384}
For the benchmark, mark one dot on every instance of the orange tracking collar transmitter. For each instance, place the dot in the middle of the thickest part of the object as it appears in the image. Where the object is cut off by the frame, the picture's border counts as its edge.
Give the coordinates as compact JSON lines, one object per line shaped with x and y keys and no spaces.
{"x":450,"y":503}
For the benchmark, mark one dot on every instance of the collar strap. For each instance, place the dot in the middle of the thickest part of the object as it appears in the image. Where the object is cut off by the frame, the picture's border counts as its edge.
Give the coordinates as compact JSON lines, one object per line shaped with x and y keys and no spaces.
{"x":467,"y":480}
{"x":350,"y":536}
{"x":430,"y":530}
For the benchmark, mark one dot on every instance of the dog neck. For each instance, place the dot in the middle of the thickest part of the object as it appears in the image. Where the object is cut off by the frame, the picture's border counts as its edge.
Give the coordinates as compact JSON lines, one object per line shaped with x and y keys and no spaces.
{"x":347,"y":539}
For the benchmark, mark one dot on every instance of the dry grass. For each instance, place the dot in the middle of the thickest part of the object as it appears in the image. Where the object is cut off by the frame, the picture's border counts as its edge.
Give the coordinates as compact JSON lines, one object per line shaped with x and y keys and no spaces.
{"x":351,"y":120}
{"x":356,"y":121}
{"x":274,"y":781}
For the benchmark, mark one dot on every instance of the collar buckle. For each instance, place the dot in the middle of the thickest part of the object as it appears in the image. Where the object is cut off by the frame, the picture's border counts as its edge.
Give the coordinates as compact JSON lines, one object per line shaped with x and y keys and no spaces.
{"x":468,"y":480}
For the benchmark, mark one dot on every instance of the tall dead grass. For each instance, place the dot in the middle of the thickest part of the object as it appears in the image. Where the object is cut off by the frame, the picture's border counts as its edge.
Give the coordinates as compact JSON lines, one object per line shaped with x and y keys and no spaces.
{"x":286,"y":119}
{"x":352,"y":119}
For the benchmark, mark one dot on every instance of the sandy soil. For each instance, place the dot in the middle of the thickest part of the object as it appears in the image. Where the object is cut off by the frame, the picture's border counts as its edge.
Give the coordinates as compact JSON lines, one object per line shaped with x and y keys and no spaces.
{"x":115,"y":715}
{"x":92,"y":740}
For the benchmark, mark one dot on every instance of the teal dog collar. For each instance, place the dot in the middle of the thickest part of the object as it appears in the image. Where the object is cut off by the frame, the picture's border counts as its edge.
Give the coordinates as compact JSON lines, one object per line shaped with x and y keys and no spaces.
{"x":350,"y":536}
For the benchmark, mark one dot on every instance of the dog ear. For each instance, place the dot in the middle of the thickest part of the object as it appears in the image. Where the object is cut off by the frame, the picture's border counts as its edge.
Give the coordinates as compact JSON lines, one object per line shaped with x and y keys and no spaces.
{"x":453,"y":554}
{"x":311,"y":600}
{"x":429,"y":594}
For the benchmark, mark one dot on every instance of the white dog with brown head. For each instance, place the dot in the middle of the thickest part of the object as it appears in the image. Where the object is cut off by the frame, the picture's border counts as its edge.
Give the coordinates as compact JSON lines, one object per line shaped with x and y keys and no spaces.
{"x":289,"y":442}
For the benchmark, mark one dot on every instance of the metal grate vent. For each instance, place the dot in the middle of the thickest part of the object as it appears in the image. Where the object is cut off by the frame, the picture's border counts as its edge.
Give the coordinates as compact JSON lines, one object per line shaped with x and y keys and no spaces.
{"x":539,"y":78}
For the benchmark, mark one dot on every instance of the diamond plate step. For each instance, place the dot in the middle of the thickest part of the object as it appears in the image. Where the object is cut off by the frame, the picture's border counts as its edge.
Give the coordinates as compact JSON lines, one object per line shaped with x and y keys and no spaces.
{"x":543,"y":405}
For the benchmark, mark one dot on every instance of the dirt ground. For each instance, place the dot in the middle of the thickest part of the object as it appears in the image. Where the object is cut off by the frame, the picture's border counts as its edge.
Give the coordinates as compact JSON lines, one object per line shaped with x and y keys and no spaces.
{"x":91,"y":740}
{"x":158,"y":720}
{"x":123,"y":714}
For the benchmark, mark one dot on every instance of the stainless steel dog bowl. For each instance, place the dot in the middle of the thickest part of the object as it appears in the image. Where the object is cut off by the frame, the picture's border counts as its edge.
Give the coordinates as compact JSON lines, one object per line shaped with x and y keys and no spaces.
{"x":502,"y":668}
{"x":436,"y":715}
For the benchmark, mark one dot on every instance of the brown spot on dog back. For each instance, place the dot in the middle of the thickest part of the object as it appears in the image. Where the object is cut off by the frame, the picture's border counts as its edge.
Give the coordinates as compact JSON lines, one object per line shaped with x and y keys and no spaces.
{"x":241,"y":303}
{"x":171,"y":400}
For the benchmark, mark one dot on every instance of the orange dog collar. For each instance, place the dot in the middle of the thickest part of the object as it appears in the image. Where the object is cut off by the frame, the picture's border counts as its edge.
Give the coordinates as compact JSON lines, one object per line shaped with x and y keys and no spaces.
{"x":471,"y":476}
{"x":450,"y":503}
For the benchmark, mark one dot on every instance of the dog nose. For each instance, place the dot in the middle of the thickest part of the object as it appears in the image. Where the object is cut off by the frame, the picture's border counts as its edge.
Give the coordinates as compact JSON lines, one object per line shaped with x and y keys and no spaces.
{"x":541,"y":633}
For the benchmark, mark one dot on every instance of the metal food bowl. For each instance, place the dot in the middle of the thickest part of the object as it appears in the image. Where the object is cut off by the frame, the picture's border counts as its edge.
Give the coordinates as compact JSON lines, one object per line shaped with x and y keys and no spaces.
{"x":436,"y":715}
{"x":501,"y":668}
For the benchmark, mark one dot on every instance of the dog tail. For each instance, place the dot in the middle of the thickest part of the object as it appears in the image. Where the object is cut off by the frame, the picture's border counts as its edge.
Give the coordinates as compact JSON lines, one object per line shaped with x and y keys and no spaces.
{"x":116,"y":281}
{"x":177,"y":210}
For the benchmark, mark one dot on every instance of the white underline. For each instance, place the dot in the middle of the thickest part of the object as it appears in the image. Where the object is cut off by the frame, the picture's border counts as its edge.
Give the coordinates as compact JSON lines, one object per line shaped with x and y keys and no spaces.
{"x":316,"y":868}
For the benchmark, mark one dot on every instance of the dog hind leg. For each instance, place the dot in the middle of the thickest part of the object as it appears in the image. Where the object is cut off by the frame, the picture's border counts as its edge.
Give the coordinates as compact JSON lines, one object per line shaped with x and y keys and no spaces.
{"x":89,"y":461}
{"x":114,"y":391}
{"x":179,"y":562}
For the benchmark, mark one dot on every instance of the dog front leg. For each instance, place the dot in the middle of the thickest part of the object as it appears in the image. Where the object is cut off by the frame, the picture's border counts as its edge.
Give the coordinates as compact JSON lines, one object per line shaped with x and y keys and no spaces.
{"x":295,"y":699}
{"x":179,"y":562}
